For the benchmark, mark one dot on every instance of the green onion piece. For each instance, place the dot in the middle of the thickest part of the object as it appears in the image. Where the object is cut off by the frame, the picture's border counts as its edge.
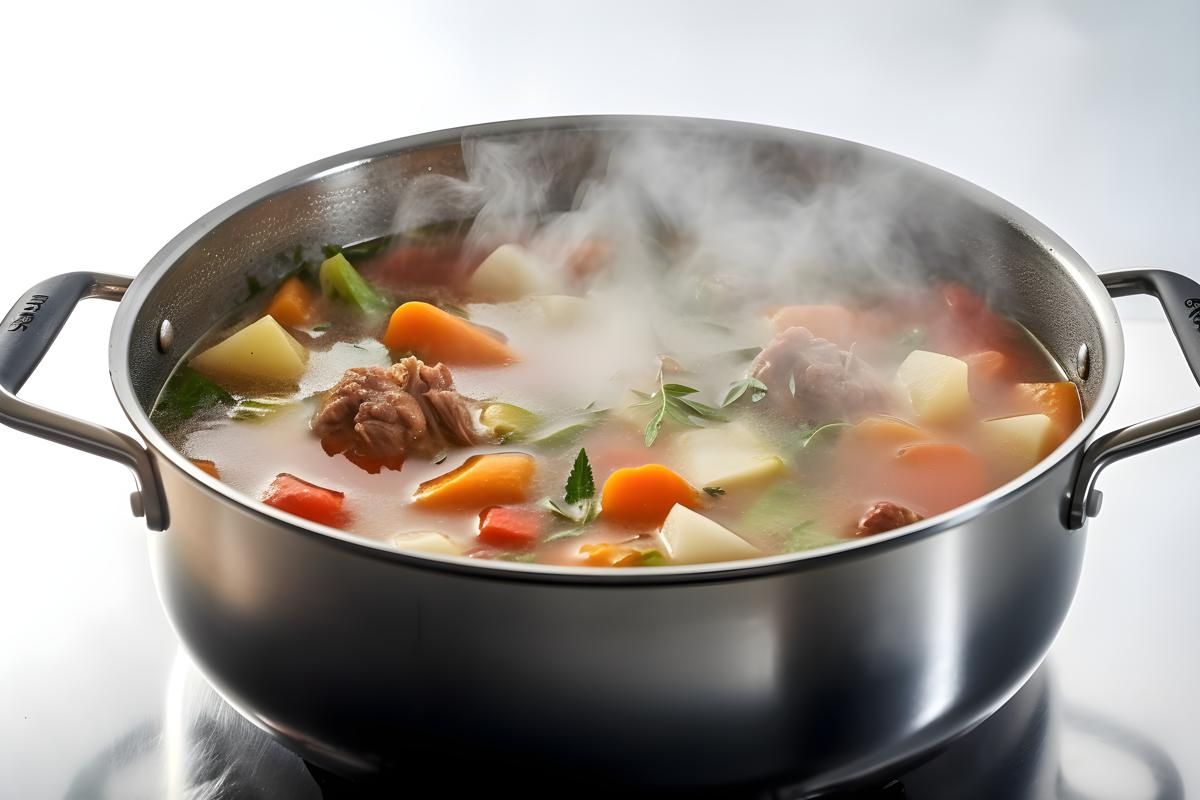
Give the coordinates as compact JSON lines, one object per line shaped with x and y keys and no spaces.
{"x":341,"y":280}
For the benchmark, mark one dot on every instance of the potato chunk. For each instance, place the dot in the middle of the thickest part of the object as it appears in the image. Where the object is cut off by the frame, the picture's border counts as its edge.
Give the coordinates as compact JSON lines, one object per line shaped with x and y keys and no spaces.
{"x":937,"y":385}
{"x":261,"y":352}
{"x":426,"y":542}
{"x":1020,"y":442}
{"x":729,"y":456}
{"x":509,"y":273}
{"x":693,"y":538}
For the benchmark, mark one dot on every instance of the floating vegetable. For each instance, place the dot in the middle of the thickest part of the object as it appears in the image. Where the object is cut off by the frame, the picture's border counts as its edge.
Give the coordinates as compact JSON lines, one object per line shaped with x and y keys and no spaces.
{"x":295,"y":496}
{"x":692,"y":538}
{"x":483,"y":480}
{"x":262,"y":352}
{"x":341,"y":280}
{"x":434,"y":335}
{"x":643,"y":496}
{"x":292,"y":305}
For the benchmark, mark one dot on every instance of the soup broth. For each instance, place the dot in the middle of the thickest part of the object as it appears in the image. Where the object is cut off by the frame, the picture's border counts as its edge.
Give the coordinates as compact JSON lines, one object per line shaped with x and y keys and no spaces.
{"x":502,"y":403}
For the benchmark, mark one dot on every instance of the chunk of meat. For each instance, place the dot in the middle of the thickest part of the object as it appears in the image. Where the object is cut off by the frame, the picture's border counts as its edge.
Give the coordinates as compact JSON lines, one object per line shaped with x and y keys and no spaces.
{"x":379,"y":416}
{"x":885,"y":516}
{"x":830,"y":383}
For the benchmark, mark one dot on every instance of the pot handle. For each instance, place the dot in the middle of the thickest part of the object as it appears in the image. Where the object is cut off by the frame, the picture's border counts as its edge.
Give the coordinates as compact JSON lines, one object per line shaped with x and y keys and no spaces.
{"x":1180,"y":299}
{"x":27,"y":333}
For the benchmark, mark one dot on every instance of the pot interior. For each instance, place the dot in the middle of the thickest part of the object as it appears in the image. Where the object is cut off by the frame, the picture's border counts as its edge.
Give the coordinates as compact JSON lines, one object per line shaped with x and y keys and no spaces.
{"x":953,"y":229}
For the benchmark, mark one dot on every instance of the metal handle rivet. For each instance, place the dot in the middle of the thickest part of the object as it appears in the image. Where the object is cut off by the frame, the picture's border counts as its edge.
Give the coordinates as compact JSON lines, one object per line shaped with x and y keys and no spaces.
{"x":136,"y":505}
{"x":1094,"y":501}
{"x":1083,"y":361}
{"x":166,"y":336}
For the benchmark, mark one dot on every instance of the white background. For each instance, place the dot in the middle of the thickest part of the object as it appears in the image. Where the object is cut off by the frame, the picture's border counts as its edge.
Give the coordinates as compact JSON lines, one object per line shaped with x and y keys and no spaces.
{"x":121,"y":123}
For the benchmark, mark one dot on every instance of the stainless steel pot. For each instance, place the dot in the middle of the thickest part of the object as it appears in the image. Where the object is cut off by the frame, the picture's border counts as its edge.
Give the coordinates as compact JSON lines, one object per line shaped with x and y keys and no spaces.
{"x":825,"y":667}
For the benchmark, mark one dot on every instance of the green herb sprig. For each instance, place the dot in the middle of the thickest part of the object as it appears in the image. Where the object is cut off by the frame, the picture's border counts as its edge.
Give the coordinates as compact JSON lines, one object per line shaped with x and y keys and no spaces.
{"x":739,"y":388}
{"x":579,"y":504}
{"x":673,"y":401}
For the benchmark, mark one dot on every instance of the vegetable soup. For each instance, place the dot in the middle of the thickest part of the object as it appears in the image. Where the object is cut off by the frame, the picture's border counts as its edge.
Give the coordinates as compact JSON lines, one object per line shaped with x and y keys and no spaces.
{"x":503,"y":404}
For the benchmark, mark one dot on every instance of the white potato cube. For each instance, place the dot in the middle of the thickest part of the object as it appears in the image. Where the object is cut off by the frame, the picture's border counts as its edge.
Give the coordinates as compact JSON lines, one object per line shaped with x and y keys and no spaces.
{"x":261,"y":352}
{"x":426,"y":542}
{"x":729,"y":456}
{"x":693,"y":538}
{"x":1020,"y":441}
{"x":936,"y":384}
{"x":509,"y":273}
{"x":562,"y":310}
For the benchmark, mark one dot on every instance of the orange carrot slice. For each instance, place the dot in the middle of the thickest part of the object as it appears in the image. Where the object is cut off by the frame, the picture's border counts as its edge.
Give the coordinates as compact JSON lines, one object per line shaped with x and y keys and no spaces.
{"x":292,"y":304}
{"x":494,"y":479}
{"x":207,"y":466}
{"x":643,"y":496}
{"x":1058,"y":400}
{"x":939,"y":475}
{"x":435,"y":335}
{"x":887,"y":431}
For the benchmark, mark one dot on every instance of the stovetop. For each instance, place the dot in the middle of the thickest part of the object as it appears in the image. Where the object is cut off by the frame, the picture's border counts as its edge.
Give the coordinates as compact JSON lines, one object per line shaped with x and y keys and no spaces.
{"x":98,"y":701}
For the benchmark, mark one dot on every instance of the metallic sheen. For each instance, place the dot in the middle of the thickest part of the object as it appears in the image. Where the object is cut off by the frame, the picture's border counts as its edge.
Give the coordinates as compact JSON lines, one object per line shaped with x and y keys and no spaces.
{"x":825,"y":667}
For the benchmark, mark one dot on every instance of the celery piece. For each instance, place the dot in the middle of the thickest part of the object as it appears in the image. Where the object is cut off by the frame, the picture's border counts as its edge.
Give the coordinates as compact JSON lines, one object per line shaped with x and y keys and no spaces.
{"x":340,"y":279}
{"x":507,"y":422}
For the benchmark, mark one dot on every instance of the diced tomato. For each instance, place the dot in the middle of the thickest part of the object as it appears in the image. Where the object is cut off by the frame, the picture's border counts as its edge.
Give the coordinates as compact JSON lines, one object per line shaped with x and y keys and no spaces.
{"x":509,"y":527}
{"x":295,"y":496}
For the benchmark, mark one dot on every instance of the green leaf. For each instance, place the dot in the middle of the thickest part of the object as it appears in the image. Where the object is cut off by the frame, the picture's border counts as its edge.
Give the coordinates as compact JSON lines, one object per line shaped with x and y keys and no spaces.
{"x":569,"y":533}
{"x":714,"y":491}
{"x":654,"y":425}
{"x":187,"y":393}
{"x":253,"y":286}
{"x":580,"y":484}
{"x":324,"y":326}
{"x":739,"y":388}
{"x":672,"y":401}
{"x":257,"y":409}
{"x":824,"y":434}
{"x":706,"y":411}
{"x":523,"y":558}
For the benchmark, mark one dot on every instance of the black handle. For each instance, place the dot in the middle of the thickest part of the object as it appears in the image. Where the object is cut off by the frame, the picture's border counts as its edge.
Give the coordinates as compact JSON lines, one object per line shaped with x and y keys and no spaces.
{"x":32,"y":325}
{"x":28,"y":331}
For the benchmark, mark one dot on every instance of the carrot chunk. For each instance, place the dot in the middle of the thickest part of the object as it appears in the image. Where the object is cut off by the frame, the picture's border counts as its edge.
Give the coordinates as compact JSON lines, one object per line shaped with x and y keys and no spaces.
{"x":435,"y":335}
{"x":887,"y":431}
{"x":483,"y":480}
{"x":643,"y":496}
{"x":292,"y":304}
{"x":939,"y":475}
{"x":295,"y":496}
{"x":618,"y":555}
{"x":207,"y":466}
{"x":1058,"y":400}
{"x":509,"y":527}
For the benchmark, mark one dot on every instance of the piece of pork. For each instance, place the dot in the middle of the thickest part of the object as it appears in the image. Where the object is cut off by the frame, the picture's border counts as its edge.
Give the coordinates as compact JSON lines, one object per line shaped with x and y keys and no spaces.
{"x":886,"y":516}
{"x":831,"y":384}
{"x":379,"y":416}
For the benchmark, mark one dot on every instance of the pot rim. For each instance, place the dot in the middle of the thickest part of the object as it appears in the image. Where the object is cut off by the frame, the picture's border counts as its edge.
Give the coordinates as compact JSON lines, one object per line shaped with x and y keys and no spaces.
{"x":1072,"y":263}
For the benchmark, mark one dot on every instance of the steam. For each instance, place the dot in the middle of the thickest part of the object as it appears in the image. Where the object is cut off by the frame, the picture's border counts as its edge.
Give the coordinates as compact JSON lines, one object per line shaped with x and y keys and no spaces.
{"x":690,"y":222}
